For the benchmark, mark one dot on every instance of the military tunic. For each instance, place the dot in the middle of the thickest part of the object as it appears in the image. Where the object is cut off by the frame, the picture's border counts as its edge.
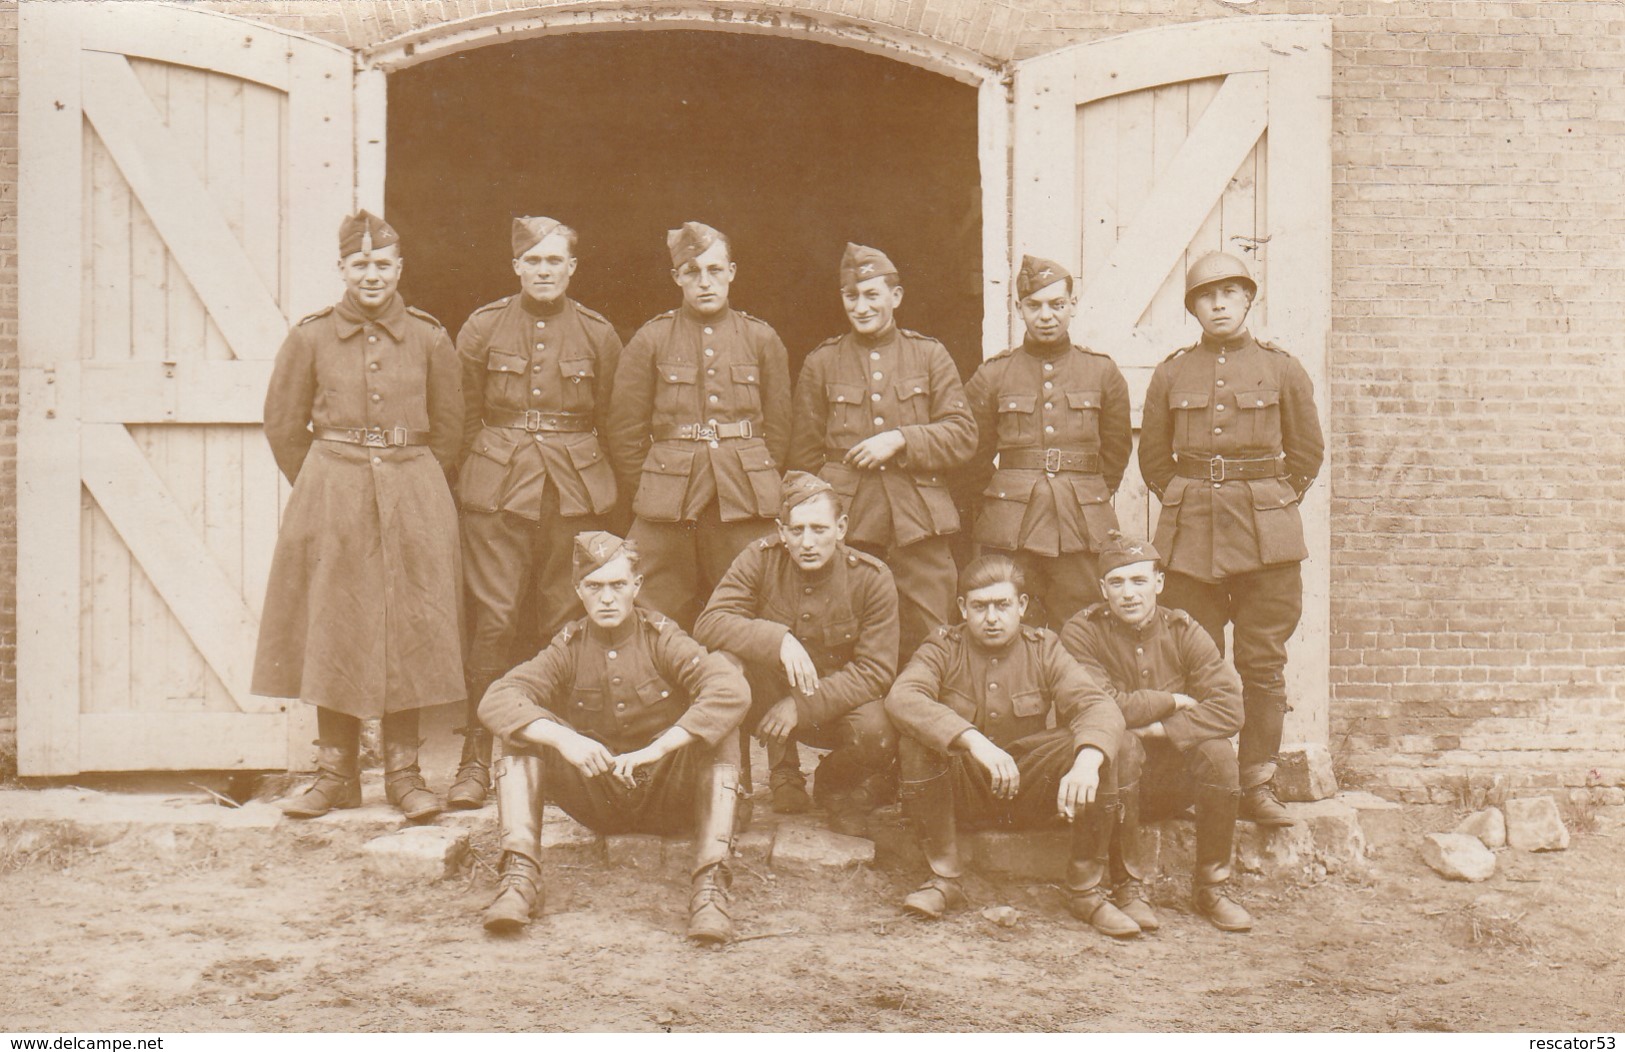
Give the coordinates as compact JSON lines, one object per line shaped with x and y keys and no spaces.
{"x":853,"y":387}
{"x":1050,"y":401}
{"x":528,"y":485}
{"x":363,"y":606}
{"x":1232,"y":545}
{"x":953,"y":685}
{"x":699,"y":499}
{"x":623,"y":688}
{"x":845,"y":616}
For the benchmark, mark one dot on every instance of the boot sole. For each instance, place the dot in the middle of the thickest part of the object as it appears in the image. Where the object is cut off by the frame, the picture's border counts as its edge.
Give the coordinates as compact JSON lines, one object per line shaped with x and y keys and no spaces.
{"x":505,"y":925}
{"x":305,"y":813}
{"x":464,"y":805}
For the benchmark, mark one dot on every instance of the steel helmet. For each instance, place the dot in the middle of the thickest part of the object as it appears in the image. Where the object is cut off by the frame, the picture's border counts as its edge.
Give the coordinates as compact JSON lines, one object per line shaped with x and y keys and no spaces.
{"x":1215,"y":267}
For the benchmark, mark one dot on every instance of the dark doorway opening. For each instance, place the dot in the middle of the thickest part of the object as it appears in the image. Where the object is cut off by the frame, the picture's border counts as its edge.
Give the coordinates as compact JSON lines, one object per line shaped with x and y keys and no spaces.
{"x":791,"y":148}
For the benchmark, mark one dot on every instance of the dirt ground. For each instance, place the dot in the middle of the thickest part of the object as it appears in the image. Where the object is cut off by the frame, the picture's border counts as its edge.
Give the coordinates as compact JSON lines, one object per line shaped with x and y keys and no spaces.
{"x":283,"y":931}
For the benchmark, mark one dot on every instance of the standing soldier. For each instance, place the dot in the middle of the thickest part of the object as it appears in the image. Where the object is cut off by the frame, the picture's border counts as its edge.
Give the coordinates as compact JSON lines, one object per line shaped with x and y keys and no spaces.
{"x":626,"y":724}
{"x":362,"y":615}
{"x":973,"y":708}
{"x":699,"y":428}
{"x":1229,"y":443}
{"x":1057,"y":415}
{"x":537,"y":370}
{"x":1181,"y":702}
{"x":815,"y":625}
{"x":881,"y":415}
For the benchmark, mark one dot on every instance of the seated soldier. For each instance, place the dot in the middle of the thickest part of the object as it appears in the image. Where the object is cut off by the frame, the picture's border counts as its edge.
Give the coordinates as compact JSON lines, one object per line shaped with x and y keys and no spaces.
{"x":815,"y":625}
{"x":972,"y":708}
{"x":1182,"y":702}
{"x":629,"y":726}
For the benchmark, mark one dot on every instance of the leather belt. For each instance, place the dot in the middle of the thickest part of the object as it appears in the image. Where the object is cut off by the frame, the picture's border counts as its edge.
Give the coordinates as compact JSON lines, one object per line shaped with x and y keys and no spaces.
{"x":374,"y":437}
{"x":1218,"y":469}
{"x":536,"y":420}
{"x":704,"y":432}
{"x":1051,"y":460}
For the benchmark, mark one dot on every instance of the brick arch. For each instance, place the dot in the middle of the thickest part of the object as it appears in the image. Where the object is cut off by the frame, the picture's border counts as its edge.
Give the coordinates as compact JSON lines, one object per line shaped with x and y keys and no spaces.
{"x":969,"y":40}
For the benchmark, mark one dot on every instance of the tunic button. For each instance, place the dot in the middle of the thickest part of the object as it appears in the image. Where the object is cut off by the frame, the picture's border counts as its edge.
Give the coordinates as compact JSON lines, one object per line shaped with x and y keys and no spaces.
{"x":996,"y":660}
{"x":875,"y":397}
{"x":1139,"y":650}
{"x":807,"y":590}
{"x":1182,"y":405}
{"x":806,"y":617}
{"x":712,"y":421}
{"x":710,"y":372}
{"x":610,"y":655}
{"x":1048,"y":384}
{"x":377,"y":397}
{"x":708,"y":330}
{"x":1049,"y":429}
{"x":615,"y":679}
{"x":1049,"y":367}
{"x":1049,"y":405}
{"x":1218,"y":431}
{"x":879,"y":420}
{"x":1219,"y":407}
{"x":874,"y":355}
{"x":992,"y":686}
{"x":372,"y":339}
{"x":535,"y":368}
{"x":714,"y":398}
{"x":1145,"y":672}
{"x":709,"y":352}
{"x":377,"y":460}
{"x":620,"y":705}
{"x":541,"y":325}
{"x":535,"y":390}
{"x":879,"y":376}
{"x":1220,"y":383}
{"x":1218,"y":485}
{"x":1221,"y":359}
{"x":373,"y":366}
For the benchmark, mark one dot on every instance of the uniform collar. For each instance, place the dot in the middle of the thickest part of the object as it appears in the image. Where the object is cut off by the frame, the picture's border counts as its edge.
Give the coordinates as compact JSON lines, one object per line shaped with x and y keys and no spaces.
{"x":1046,"y":351}
{"x":352,"y":319}
{"x":824,"y":572}
{"x":694,"y":317}
{"x":616,"y":637}
{"x":884,"y":336}
{"x":1240,"y":340}
{"x":537,"y":308}
{"x":1144,"y":630}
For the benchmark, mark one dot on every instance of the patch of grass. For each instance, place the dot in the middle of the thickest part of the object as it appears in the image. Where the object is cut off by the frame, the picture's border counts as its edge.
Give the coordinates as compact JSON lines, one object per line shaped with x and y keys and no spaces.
{"x":1579,"y":811}
{"x":1494,"y":928}
{"x":56,"y":845}
{"x":1469,"y":792}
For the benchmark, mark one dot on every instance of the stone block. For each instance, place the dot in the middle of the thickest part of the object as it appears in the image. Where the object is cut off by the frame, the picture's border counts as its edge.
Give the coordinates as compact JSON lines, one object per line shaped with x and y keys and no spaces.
{"x":1334,"y":827}
{"x":811,"y":849}
{"x":561,"y":833}
{"x":416,"y":853}
{"x":1304,"y":774}
{"x":1382,"y":822}
{"x":754,"y":846}
{"x":1488,"y":825}
{"x":475,"y":821}
{"x":1533,"y":824}
{"x":634,"y":850}
{"x":1038,"y":854}
{"x":1458,"y":856}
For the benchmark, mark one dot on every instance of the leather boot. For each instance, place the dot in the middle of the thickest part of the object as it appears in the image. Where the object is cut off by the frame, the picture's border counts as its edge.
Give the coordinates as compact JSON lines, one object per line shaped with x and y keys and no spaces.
{"x":785,"y":778}
{"x":1086,"y":871}
{"x":1259,"y":806}
{"x":1215,"y":841}
{"x":1130,"y":862}
{"x":468,"y":790}
{"x":928,"y":803}
{"x":337,"y":784}
{"x":519,"y":820}
{"x":403,"y":781}
{"x":1260,"y":742}
{"x":708,"y":918}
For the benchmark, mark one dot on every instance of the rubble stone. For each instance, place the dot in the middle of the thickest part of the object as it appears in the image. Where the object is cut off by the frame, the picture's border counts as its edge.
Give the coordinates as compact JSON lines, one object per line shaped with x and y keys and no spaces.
{"x":1458,"y":856}
{"x":1304,"y":774}
{"x":1488,"y":825}
{"x":1533,"y":824}
{"x":634,"y":850}
{"x":1003,"y":916}
{"x":416,"y":853}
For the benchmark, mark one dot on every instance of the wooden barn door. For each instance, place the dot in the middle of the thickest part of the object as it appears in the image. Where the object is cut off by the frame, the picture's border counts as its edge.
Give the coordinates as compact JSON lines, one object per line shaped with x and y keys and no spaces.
{"x":1135,"y":154}
{"x":182,"y":176}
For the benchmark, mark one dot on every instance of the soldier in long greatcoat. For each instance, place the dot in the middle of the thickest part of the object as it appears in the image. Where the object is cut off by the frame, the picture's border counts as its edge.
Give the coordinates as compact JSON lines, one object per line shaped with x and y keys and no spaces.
{"x":364,"y":415}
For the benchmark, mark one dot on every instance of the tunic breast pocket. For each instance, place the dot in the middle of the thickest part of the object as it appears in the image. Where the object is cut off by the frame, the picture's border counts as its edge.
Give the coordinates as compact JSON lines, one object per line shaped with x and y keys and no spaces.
{"x":1018,"y":421}
{"x":747,"y":392}
{"x":1027,"y":704}
{"x":653,"y":692}
{"x":577,"y":377}
{"x":846,"y":411}
{"x":913,"y":400}
{"x":1258,"y":418}
{"x":675,"y":386}
{"x":587,"y":701}
{"x":505,"y":383}
{"x":1085,"y":413}
{"x":1190,"y":413}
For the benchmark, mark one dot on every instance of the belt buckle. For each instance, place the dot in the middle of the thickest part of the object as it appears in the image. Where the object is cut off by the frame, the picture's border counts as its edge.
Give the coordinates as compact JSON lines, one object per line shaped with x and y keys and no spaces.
{"x":374,"y":438}
{"x":1215,"y":469}
{"x":533,"y":420}
{"x":1052,"y":460}
{"x":745,"y":429}
{"x":705,"y":433}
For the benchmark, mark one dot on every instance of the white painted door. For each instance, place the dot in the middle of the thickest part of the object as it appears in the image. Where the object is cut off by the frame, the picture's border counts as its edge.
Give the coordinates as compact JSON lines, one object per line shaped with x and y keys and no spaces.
{"x":182,"y":176}
{"x":1135,"y":154}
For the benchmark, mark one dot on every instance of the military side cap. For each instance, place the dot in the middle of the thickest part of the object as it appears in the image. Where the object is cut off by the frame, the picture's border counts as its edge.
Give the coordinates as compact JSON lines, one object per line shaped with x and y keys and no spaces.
{"x":1124,"y":551}
{"x":1037,"y":274}
{"x":528,"y":231}
{"x":364,"y":232}
{"x":800,"y":487}
{"x":593,"y":550}
{"x":860,"y":263}
{"x":689,"y":240}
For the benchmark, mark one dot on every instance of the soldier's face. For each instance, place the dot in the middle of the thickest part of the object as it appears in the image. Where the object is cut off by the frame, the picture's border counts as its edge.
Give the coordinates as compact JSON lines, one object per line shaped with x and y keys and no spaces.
{"x":607,"y":593}
{"x":1131,"y":591}
{"x":1222,"y":307}
{"x":1047,"y":312}
{"x":544,"y":269}
{"x":870,"y":305}
{"x":372,"y":277}
{"x":705,"y":280}
{"x":993,"y":614}
{"x":813,"y":532}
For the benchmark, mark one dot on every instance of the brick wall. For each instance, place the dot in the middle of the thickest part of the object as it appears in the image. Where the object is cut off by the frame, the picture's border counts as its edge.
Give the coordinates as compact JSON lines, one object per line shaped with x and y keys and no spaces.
{"x":1479,"y":308}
